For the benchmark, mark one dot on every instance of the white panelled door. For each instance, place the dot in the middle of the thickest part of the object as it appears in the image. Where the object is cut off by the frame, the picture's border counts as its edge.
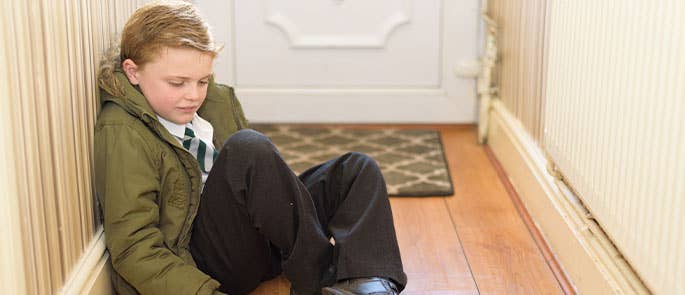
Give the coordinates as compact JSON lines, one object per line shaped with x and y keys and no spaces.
{"x":348,"y":60}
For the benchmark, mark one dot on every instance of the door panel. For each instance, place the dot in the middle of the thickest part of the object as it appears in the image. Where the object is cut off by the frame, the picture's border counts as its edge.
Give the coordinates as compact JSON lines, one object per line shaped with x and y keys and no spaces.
{"x":337,"y":44}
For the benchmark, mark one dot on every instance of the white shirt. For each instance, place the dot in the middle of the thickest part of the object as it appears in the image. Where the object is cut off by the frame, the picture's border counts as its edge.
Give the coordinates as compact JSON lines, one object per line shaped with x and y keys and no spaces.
{"x":201,"y":127}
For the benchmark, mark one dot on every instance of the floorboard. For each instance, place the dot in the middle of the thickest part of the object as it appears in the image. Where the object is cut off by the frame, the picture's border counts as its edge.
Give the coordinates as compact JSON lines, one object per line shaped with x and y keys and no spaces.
{"x":501,"y":251}
{"x":431,"y":252}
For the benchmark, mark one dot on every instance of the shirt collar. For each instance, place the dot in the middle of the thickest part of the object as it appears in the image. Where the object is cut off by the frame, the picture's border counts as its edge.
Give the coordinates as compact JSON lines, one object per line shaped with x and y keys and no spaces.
{"x":177,"y":130}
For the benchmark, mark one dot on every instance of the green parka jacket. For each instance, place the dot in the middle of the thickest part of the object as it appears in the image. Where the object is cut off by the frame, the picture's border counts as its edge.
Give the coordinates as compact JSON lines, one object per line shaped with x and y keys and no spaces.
{"x":148,"y":186}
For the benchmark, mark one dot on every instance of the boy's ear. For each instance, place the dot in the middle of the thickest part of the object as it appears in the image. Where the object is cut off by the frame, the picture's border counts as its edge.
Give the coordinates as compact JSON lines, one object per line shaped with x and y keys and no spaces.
{"x":131,"y":70}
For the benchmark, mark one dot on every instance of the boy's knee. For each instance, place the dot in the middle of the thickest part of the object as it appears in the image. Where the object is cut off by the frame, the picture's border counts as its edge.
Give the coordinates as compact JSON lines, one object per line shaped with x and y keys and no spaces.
{"x":248,"y":141}
{"x":361,"y":157}
{"x":362,"y":160}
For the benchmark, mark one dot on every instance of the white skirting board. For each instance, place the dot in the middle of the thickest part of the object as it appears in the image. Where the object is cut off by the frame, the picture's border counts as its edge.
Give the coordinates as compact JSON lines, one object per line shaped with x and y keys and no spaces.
{"x":92,"y":273}
{"x":588,"y":258}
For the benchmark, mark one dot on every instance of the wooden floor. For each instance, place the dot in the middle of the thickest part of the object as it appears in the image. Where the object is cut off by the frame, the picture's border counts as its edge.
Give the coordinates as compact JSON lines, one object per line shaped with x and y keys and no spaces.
{"x":473,"y":242}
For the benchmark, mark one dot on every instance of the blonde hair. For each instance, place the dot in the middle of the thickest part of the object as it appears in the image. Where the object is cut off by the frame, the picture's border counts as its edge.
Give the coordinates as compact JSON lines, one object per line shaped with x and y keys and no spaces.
{"x":150,"y":29}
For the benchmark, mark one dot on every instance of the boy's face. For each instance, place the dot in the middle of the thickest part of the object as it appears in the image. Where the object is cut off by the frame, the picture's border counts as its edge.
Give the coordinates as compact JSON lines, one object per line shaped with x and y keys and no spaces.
{"x":174,"y":84}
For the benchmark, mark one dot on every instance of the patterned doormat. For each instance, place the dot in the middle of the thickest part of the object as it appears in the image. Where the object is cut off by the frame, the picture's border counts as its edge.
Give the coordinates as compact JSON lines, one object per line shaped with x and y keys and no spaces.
{"x":412,"y":161}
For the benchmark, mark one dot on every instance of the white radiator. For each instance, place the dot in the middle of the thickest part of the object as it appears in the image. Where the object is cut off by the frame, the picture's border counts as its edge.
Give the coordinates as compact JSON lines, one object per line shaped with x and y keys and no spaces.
{"x":615,"y":124}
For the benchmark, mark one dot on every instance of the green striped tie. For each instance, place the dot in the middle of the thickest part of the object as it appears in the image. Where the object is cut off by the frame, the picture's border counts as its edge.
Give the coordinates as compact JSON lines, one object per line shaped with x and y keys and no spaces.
{"x":204,"y":154}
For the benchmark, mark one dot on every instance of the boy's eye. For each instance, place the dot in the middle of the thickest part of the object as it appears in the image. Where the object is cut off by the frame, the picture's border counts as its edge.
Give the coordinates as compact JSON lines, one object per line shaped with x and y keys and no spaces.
{"x":203,"y":82}
{"x":176,"y":83}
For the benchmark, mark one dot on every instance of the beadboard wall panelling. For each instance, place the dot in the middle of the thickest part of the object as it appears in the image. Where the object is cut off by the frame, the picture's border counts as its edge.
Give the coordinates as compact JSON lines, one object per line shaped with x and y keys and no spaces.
{"x":614,"y":115}
{"x":12,"y":268}
{"x":51,"y":53}
{"x":520,"y":69}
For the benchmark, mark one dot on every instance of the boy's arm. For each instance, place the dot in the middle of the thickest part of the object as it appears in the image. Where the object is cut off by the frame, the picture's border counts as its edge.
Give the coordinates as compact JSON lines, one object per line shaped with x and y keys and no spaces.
{"x":129,"y":188}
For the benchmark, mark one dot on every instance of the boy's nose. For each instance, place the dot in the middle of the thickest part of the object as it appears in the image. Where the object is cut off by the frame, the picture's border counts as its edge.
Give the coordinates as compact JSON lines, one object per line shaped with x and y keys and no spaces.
{"x":193,"y":93}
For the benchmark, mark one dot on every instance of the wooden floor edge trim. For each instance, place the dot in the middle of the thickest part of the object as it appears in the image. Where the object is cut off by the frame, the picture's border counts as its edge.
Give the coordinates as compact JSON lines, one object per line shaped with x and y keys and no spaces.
{"x":553,"y":264}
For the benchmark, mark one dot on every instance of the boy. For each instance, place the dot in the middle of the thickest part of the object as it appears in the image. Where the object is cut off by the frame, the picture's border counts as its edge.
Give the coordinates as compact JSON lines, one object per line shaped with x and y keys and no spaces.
{"x":193,"y":203}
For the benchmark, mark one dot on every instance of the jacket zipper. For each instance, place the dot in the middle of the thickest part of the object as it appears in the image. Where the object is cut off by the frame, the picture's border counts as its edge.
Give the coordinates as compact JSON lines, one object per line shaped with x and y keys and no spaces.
{"x":184,"y":230}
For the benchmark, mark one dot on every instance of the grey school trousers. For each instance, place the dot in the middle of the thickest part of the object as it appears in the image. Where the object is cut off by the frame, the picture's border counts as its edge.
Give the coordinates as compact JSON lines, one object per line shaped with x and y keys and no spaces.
{"x":257,"y":219}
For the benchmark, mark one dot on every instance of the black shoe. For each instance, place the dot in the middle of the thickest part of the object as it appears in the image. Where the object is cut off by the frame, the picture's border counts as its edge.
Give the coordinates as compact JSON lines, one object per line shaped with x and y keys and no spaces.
{"x":362,"y":286}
